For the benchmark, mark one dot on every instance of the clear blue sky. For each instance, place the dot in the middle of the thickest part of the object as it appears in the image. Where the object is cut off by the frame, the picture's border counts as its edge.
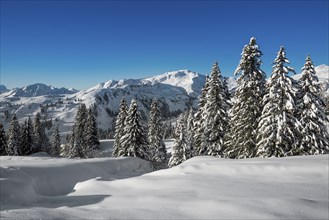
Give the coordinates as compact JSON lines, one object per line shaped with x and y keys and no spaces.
{"x":81,"y":43}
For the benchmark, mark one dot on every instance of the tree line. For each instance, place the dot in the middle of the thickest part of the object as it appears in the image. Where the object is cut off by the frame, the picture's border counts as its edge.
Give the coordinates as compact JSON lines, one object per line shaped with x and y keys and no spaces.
{"x":28,"y":138}
{"x":278,"y":117}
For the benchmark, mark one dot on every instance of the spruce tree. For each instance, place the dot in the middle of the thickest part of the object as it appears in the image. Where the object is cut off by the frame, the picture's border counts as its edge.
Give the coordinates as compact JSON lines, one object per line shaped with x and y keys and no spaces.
{"x":92,"y":141}
{"x":14,"y":137}
{"x":41,"y":141}
{"x":315,"y":137}
{"x":247,"y":106}
{"x":56,"y":143}
{"x":27,"y":138}
{"x":119,"y":127}
{"x":157,"y":146}
{"x":181,"y":149}
{"x":73,"y":150}
{"x":134,"y":142}
{"x":215,"y":114}
{"x":278,"y":129}
{"x":190,"y":129}
{"x":80,"y":137}
{"x":3,"y":141}
{"x":199,"y":120}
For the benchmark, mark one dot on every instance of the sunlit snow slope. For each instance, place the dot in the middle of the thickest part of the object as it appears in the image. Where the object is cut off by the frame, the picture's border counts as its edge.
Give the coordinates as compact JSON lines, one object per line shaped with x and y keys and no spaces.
{"x":200,"y":188}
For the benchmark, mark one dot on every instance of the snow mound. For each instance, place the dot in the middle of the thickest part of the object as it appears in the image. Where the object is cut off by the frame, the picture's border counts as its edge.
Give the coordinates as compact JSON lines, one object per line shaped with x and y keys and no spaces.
{"x":200,"y":188}
{"x":28,"y":179}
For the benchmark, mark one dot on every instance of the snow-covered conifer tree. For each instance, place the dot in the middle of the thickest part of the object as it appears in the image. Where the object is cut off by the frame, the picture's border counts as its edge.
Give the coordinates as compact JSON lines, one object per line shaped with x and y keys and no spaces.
{"x":215,"y":115}
{"x":3,"y":141}
{"x":190,"y":129}
{"x":119,"y":126}
{"x":134,"y":142}
{"x":14,"y":140}
{"x":199,"y":120}
{"x":73,"y":150}
{"x":278,"y":129}
{"x":315,"y":137}
{"x":56,"y":143}
{"x":247,"y":106}
{"x":41,"y":141}
{"x":92,"y":141}
{"x":80,"y":137}
{"x":181,"y":149}
{"x":157,"y":146}
{"x":27,"y":138}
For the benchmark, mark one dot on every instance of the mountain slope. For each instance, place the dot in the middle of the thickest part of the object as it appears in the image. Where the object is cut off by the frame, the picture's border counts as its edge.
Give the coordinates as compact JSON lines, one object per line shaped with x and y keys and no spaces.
{"x":3,"y":89}
{"x":38,"y":89}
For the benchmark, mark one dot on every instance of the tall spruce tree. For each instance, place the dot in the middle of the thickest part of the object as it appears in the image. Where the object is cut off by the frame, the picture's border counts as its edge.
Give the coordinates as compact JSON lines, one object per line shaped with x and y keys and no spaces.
{"x":199,"y":120}
{"x":41,"y":141}
{"x":3,"y":141}
{"x":73,"y":150}
{"x":56,"y":143}
{"x":78,"y":138}
{"x":92,"y":141}
{"x":119,"y":127}
{"x":315,"y":137}
{"x":157,"y":146}
{"x":181,"y":149}
{"x":215,"y":114}
{"x":134,"y":142}
{"x":190,"y":129}
{"x":27,"y":137}
{"x":247,"y":106}
{"x":278,"y":130}
{"x":14,"y":140}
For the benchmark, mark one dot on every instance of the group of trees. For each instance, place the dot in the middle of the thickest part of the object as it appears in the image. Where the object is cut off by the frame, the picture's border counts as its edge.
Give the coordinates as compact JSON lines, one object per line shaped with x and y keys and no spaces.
{"x":131,"y":138}
{"x":278,"y":117}
{"x":28,"y":138}
{"x":83,"y":142}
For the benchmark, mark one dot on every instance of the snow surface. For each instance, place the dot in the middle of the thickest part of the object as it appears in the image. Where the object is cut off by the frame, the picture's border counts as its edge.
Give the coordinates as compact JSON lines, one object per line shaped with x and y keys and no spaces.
{"x":200,"y":188}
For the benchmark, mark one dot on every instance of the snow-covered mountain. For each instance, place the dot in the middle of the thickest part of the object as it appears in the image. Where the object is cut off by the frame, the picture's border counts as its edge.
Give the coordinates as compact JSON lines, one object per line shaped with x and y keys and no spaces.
{"x":176,"y":91}
{"x":192,"y":82}
{"x":3,"y":89}
{"x":38,"y":89}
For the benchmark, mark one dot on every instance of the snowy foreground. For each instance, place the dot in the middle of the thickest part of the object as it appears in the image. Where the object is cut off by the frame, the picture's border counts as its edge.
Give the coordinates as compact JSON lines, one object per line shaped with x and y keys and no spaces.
{"x":200,"y":188}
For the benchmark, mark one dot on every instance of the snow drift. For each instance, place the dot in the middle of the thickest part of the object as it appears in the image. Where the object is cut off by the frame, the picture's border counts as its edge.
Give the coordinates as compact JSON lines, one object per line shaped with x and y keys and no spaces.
{"x":200,"y":188}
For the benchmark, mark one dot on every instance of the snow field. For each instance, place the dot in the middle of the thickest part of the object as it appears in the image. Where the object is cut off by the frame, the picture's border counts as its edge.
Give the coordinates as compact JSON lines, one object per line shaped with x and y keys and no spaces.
{"x":200,"y":188}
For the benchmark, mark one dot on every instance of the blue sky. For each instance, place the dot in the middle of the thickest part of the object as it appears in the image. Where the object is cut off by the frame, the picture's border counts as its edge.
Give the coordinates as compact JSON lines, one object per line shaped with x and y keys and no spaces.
{"x":81,"y":43}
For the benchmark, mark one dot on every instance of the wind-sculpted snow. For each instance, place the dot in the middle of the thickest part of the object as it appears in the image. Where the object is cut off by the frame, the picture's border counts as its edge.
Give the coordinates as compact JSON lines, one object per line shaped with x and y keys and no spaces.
{"x":32,"y":179}
{"x":200,"y":188}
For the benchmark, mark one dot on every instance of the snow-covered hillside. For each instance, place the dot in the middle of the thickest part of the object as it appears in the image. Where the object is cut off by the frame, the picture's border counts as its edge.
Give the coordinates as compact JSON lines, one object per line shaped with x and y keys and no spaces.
{"x":192,"y":82}
{"x":37,"y":89}
{"x":176,"y":91}
{"x":200,"y":188}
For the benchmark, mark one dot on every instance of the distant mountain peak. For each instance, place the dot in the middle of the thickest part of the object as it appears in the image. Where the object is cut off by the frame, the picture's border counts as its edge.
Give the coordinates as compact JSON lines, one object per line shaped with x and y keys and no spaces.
{"x":3,"y":89}
{"x":186,"y":79}
{"x":39,"y":89}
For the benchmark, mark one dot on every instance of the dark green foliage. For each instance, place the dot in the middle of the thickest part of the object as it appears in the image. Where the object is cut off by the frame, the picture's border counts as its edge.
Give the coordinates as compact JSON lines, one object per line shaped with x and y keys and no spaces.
{"x":3,"y":141}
